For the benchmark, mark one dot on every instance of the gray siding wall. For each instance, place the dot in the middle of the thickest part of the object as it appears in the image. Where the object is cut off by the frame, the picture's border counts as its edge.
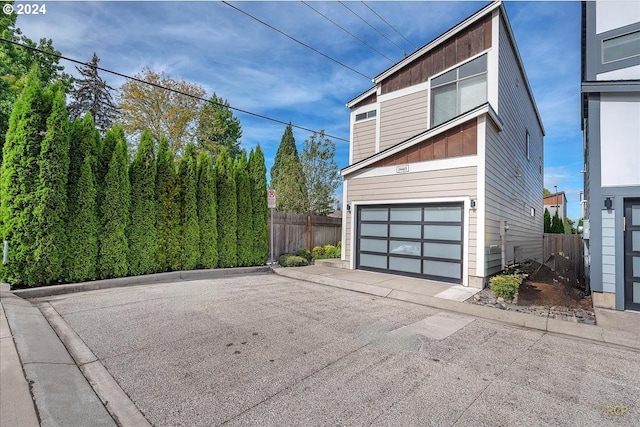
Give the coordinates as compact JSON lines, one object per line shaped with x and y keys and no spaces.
{"x":403,"y":117}
{"x":514,"y":182}
{"x":419,"y":185}
{"x":364,"y":140}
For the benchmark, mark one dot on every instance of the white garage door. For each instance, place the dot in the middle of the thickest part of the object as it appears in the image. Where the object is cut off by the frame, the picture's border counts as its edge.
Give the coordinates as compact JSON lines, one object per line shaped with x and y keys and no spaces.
{"x":413,"y":240}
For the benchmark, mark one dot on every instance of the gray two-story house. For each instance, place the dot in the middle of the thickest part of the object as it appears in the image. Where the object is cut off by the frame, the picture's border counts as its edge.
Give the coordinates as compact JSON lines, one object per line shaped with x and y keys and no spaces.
{"x":611,"y":129}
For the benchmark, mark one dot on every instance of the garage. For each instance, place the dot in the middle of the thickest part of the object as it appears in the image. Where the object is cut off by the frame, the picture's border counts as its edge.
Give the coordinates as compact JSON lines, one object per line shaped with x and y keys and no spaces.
{"x":424,"y":240}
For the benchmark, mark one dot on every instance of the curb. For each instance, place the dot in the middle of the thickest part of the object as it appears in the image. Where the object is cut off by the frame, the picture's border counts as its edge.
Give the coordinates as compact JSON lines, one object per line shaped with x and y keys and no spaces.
{"x":526,"y":320}
{"x":147,"y":279}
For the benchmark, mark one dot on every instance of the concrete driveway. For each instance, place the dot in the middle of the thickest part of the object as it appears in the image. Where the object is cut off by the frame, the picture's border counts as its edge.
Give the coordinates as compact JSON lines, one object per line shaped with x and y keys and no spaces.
{"x":269,"y":350}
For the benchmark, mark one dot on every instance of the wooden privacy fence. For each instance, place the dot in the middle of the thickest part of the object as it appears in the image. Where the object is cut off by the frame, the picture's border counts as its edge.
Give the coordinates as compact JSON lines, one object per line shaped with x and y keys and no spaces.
{"x":565,"y":254}
{"x":294,"y":231}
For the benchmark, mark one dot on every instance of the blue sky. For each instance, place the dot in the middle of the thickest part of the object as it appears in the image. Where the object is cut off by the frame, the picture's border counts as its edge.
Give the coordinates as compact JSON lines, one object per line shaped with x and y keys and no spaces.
{"x":260,"y":70}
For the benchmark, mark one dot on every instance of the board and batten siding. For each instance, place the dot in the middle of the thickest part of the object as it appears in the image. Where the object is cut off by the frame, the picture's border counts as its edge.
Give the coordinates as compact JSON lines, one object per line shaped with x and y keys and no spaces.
{"x":403,"y":117}
{"x":609,"y":251}
{"x":513,"y":182}
{"x":436,"y":184}
{"x":364,"y":140}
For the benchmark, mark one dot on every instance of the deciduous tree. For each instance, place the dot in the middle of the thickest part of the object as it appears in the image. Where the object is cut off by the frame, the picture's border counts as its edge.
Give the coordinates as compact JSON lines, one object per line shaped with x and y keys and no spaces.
{"x":321,"y":173}
{"x":217,"y":128}
{"x":162,"y":112}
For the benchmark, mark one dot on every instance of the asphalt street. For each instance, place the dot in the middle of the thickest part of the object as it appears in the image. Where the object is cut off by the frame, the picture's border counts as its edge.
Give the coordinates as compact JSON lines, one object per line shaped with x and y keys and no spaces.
{"x":269,"y":350}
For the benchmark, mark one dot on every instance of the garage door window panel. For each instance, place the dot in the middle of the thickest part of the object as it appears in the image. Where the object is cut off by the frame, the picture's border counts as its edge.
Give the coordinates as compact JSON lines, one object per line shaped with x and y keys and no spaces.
{"x":409,"y":265}
{"x":375,"y":261}
{"x":442,"y":250}
{"x":404,"y":247}
{"x":377,"y":230}
{"x":404,"y":230}
{"x":443,"y":269}
{"x":373,"y":245}
{"x":443,"y":232}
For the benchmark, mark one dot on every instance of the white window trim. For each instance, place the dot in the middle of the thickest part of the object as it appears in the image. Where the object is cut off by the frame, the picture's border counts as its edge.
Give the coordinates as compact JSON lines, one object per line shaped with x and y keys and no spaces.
{"x":458,"y":65}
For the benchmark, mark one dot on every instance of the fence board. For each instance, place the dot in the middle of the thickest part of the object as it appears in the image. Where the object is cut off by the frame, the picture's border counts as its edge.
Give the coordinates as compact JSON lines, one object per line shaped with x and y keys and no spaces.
{"x":565,"y":254}
{"x":294,"y":231}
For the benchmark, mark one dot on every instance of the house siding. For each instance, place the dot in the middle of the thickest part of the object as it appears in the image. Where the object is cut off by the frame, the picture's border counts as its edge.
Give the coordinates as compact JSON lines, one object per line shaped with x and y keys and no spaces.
{"x":437,"y":184}
{"x":403,"y":117}
{"x":364,"y":140}
{"x":513,"y":183}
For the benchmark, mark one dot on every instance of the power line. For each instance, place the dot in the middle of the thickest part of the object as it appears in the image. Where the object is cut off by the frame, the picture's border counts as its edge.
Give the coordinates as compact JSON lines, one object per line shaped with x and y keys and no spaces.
{"x":390,"y":26}
{"x":374,"y":28}
{"x":260,"y":116}
{"x":347,"y":31}
{"x":297,"y":41}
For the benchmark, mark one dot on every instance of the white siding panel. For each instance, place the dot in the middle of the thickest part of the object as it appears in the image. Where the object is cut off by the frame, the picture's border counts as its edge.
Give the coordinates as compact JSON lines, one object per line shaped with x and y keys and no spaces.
{"x":403,"y":117}
{"x":608,"y":251}
{"x":364,"y":140}
{"x":620,"y":144}
{"x":513,"y":181}
{"x":615,"y":14}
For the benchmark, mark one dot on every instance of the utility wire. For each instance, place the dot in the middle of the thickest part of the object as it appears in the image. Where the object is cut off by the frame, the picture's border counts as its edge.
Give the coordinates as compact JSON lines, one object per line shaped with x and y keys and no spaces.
{"x":374,"y":28}
{"x":297,"y":41}
{"x":260,"y":116}
{"x":390,"y":26}
{"x":347,"y":31}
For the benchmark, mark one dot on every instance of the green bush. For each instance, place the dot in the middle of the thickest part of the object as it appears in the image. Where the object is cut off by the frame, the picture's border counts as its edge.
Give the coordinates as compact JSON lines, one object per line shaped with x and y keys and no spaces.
{"x":505,"y":285}
{"x":290,"y":260}
{"x":317,"y":252}
{"x":326,"y":251}
{"x":304,"y":253}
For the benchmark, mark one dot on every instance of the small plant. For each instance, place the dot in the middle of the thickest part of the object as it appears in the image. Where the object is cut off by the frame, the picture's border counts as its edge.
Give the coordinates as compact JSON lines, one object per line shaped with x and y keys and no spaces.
{"x":289,"y":260}
{"x":505,"y":285}
{"x":317,"y":252}
{"x":304,"y":253}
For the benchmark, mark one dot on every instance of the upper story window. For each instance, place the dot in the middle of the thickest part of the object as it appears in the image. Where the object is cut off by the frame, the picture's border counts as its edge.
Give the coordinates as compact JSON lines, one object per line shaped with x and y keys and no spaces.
{"x":367,"y":115}
{"x":621,"y":47}
{"x":459,"y":90}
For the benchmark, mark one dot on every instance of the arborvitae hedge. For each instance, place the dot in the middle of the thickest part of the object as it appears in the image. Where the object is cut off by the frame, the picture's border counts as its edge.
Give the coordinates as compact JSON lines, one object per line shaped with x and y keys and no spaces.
{"x":190,"y":235}
{"x":142,"y":233}
{"x":20,"y":180}
{"x":51,"y":209}
{"x":258,"y":178}
{"x":84,"y":140}
{"x":168,"y":193}
{"x":227,"y":207}
{"x":114,"y":212}
{"x":207,"y":218}
{"x":83,"y":228}
{"x":244,"y":212}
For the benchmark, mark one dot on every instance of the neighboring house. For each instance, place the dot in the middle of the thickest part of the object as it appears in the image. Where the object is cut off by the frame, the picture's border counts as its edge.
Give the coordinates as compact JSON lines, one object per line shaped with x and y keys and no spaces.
{"x":611,"y":125}
{"x":556,"y":203}
{"x":445,"y":164}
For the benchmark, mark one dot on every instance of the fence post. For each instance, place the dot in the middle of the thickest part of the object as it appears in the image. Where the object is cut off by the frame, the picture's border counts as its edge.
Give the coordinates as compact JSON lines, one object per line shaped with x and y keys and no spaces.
{"x":309,"y":232}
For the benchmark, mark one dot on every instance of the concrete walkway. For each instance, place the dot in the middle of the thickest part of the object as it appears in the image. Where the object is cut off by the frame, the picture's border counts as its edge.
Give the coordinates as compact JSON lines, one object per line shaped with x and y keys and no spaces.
{"x":56,"y":385}
{"x":613,"y":327}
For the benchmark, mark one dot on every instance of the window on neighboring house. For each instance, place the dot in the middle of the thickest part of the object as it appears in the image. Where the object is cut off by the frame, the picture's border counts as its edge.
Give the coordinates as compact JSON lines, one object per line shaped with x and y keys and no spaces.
{"x":366,"y":115}
{"x":621,"y":47}
{"x":528,"y":147}
{"x":459,"y":90}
